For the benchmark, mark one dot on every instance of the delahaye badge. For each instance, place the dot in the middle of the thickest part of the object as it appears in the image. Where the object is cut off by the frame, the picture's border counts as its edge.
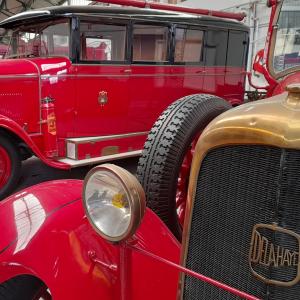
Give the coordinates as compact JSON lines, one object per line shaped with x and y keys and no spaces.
{"x":274,"y":255}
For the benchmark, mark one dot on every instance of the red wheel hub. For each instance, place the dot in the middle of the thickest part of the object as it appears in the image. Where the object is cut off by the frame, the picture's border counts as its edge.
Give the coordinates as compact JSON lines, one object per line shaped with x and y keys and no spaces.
{"x":5,"y":167}
{"x":183,"y":182}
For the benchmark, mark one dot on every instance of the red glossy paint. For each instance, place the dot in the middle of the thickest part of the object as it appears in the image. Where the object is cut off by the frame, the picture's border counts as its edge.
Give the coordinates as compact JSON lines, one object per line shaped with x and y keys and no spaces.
{"x":47,"y":222}
{"x":136,"y":95}
{"x":183,"y":182}
{"x":197,"y":275}
{"x":281,"y":87}
{"x":5,"y":167}
{"x":145,"y":92}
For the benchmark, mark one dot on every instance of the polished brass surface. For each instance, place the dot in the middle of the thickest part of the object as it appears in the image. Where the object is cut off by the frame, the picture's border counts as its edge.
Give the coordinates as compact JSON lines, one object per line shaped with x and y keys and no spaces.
{"x":293,"y":98}
{"x":136,"y":197}
{"x":274,"y":121}
{"x":265,"y":253}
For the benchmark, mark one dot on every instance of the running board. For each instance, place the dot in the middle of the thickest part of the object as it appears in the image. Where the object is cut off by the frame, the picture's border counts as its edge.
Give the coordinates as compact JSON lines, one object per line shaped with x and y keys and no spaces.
{"x":86,"y":148}
{"x":90,"y":161}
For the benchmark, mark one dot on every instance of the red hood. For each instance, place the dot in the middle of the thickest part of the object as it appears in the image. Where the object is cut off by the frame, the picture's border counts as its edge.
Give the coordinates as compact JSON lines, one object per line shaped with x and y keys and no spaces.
{"x":9,"y":67}
{"x":34,"y":66}
{"x":23,"y":213}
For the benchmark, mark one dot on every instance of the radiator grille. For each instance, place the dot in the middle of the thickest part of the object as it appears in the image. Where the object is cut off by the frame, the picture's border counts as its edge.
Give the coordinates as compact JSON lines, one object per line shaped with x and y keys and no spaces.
{"x":239,"y":187}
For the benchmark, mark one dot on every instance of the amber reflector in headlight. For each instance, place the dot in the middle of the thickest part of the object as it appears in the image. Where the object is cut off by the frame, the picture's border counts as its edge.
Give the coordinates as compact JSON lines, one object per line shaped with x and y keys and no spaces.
{"x":114,"y":202}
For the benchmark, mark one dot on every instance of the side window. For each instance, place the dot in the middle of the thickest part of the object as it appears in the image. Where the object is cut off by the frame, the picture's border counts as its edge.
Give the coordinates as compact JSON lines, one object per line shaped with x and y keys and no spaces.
{"x":102,"y":42}
{"x":54,"y":40}
{"x":237,"y":49}
{"x":215,"y":47}
{"x":150,"y":43}
{"x":188,"y":45}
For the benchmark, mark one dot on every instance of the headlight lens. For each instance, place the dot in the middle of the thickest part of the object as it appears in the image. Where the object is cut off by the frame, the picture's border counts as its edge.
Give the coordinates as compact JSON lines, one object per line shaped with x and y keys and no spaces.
{"x":114,"y":201}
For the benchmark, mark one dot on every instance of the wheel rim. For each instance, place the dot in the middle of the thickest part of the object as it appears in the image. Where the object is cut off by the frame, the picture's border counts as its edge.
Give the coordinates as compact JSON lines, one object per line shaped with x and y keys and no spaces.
{"x":183,"y":182}
{"x":5,"y":167}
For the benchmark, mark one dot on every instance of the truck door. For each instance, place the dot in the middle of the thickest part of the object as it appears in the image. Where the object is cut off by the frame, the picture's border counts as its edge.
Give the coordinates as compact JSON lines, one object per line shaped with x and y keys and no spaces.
{"x":102,"y":79}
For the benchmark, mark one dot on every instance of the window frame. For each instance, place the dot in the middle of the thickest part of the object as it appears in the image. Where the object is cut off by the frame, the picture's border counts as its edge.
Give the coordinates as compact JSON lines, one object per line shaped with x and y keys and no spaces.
{"x":215,"y":29}
{"x":51,"y":21}
{"x":170,"y":53}
{"x":105,"y":21}
{"x":191,"y":27}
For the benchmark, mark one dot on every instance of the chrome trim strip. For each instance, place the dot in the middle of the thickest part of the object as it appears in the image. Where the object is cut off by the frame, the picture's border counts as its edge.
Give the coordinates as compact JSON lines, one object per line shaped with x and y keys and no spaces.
{"x":140,"y":75}
{"x":14,"y":76}
{"x":78,"y":163}
{"x":104,"y":138}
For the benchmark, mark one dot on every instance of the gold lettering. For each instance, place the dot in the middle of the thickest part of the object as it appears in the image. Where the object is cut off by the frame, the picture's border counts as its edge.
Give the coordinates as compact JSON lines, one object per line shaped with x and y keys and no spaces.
{"x":279,"y":260}
{"x":286,"y":259}
{"x":295,"y":259}
{"x":264,"y":251}
{"x":272,"y":259}
{"x":255,"y":251}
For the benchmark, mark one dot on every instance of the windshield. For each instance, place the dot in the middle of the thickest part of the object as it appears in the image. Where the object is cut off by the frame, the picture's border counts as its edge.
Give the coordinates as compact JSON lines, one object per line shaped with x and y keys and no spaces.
{"x":36,"y":40}
{"x":287,"y":45}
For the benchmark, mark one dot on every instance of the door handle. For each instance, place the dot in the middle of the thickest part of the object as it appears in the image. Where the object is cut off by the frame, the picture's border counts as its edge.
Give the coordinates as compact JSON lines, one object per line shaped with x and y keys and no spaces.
{"x":127,"y":71}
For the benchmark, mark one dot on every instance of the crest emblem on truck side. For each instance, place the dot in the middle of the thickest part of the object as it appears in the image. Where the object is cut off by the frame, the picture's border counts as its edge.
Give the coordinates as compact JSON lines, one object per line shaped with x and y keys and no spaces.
{"x":274,"y":255}
{"x":102,"y":98}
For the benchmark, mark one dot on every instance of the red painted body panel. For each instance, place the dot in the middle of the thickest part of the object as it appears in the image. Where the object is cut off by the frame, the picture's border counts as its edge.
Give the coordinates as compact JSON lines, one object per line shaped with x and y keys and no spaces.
{"x":52,"y":228}
{"x":34,"y":142}
{"x":280,"y":88}
{"x":136,"y":96}
{"x":19,"y":93}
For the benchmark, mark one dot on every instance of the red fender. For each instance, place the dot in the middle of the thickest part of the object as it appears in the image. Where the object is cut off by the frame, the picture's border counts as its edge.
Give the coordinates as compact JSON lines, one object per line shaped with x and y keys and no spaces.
{"x":14,"y":127}
{"x":45,"y":233}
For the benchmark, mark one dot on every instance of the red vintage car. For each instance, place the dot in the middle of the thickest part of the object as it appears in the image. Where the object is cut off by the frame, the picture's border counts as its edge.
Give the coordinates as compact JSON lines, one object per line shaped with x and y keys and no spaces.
{"x":241,"y":234}
{"x":83,"y":85}
{"x":70,"y":239}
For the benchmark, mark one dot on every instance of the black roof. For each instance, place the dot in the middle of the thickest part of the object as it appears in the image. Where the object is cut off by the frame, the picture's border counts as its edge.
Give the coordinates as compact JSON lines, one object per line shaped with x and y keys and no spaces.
{"x":119,"y":12}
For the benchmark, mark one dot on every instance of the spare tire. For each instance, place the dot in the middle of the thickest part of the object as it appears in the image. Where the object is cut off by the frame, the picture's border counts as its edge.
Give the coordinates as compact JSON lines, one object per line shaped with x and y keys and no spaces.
{"x":168,"y":149}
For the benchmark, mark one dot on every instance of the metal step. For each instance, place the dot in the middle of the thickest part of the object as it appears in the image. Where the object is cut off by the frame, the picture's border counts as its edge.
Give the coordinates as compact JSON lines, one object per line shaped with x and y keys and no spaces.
{"x":90,"y":161}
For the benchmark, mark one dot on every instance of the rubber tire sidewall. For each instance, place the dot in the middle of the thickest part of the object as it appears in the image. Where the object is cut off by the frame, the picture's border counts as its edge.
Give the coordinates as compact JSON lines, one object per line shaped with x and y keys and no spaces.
{"x":165,"y":149}
{"x":15,"y":166}
{"x":22,"y":287}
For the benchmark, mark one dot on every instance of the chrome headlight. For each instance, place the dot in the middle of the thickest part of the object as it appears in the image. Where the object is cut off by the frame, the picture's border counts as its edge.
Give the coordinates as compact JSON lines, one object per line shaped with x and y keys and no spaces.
{"x":114,"y":202}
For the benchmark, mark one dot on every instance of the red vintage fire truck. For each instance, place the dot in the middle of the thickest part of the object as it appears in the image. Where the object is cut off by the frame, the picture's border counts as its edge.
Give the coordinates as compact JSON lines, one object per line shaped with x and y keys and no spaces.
{"x":70,"y":239}
{"x":83,"y":85}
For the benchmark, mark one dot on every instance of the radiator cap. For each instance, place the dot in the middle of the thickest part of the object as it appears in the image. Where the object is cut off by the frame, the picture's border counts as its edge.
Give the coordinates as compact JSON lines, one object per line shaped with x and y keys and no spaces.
{"x":293,"y":98}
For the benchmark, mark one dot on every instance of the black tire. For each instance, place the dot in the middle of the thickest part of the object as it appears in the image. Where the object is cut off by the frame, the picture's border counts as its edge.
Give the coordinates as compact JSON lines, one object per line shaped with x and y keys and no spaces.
{"x":165,"y":148}
{"x":15,"y":161}
{"x":23,"y":287}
